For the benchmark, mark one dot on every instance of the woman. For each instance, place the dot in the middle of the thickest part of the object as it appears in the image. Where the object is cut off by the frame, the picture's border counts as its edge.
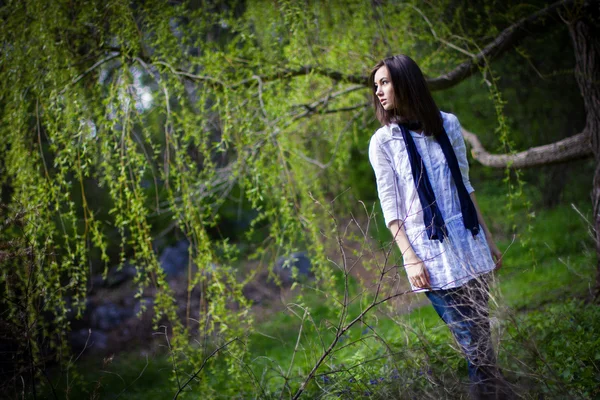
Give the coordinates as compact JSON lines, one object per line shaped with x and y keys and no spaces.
{"x":422,"y":173}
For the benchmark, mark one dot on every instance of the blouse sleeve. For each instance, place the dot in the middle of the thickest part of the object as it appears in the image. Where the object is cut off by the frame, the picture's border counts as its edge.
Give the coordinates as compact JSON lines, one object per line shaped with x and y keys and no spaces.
{"x":387,"y":182}
{"x":458,"y":144}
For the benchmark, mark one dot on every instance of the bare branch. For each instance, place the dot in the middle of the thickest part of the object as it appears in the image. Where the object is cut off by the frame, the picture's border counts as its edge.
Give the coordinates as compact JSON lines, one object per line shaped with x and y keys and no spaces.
{"x":572,"y":148}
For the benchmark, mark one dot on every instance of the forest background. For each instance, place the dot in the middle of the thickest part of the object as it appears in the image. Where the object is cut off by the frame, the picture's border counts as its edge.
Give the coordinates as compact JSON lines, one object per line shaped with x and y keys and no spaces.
{"x":240,"y":129}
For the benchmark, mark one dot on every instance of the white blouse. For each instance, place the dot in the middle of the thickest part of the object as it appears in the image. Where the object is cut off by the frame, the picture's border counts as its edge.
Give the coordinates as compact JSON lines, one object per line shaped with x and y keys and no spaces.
{"x":461,"y":256}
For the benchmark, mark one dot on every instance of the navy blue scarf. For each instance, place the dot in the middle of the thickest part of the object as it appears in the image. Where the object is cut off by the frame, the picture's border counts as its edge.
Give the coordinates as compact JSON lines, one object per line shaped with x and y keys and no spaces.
{"x":432,"y":217}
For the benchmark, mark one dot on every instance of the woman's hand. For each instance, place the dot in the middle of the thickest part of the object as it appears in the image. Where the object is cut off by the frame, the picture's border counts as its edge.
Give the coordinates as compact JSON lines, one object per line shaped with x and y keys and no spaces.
{"x":417,"y":273}
{"x":496,"y":253}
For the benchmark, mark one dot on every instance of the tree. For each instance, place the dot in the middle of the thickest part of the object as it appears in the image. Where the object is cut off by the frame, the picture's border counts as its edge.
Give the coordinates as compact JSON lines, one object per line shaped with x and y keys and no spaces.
{"x":164,"y":108}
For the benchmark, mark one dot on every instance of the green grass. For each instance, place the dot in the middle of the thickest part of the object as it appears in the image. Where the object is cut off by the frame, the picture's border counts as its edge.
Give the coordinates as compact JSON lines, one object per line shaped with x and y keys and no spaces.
{"x":128,"y":375}
{"x":562,"y":262}
{"x":540,"y":284}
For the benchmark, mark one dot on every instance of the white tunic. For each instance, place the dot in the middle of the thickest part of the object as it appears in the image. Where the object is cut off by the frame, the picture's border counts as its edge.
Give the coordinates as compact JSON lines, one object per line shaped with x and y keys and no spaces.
{"x":461,"y":256}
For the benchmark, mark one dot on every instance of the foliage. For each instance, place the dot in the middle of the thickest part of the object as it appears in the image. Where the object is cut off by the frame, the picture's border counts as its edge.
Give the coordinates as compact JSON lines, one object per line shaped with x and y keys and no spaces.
{"x":123,"y":121}
{"x":559,"y":344}
{"x":397,"y":355}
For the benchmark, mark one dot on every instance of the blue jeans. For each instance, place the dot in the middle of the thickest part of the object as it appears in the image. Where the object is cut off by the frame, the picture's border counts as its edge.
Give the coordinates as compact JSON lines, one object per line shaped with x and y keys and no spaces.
{"x":465,"y":311}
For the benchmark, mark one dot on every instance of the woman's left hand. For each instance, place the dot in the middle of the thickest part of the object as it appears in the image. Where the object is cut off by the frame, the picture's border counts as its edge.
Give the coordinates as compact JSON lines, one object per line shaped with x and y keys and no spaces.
{"x":496,"y":254}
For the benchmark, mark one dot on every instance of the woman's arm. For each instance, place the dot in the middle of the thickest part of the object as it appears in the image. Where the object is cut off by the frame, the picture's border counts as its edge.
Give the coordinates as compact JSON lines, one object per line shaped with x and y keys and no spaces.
{"x":496,"y":253}
{"x":415,"y":267}
{"x":388,"y":189}
{"x":390,"y":198}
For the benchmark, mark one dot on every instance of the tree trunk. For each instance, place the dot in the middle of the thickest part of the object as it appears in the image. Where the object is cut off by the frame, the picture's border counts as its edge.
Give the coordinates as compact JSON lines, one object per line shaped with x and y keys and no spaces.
{"x":585,"y":33}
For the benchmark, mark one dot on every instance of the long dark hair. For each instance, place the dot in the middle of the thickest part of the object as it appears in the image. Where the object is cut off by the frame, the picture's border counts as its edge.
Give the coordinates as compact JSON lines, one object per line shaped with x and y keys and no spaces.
{"x":413,"y":101}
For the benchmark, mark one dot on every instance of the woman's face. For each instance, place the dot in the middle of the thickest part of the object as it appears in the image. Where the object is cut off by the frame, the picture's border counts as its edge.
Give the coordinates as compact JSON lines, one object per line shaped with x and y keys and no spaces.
{"x":384,"y":90}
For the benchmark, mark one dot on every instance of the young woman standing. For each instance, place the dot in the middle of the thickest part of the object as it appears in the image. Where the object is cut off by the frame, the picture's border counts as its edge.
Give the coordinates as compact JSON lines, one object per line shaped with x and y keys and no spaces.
{"x":420,"y":164}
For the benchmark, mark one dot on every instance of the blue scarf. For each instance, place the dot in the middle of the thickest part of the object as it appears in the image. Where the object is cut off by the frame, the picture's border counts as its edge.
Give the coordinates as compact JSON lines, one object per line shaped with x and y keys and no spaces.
{"x":432,"y":217}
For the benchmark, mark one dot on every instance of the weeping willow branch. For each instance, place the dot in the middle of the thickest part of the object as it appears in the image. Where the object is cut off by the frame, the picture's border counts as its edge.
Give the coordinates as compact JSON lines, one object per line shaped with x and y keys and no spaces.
{"x":505,"y":41}
{"x":220,"y":186}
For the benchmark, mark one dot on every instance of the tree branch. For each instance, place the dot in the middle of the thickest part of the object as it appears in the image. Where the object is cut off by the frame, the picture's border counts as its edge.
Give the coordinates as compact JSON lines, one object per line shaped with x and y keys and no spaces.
{"x":307,"y":70}
{"x":572,"y":148}
{"x":507,"y":39}
{"x":90,"y":69}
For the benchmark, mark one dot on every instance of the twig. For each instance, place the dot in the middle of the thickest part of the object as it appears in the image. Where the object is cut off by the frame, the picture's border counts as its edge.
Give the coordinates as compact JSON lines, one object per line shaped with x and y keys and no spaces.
{"x":260,"y":97}
{"x":90,"y":69}
{"x":43,"y":371}
{"x":289,"y":372}
{"x":337,"y":337}
{"x":135,"y":380}
{"x":202,"y":366}
{"x":191,"y":76}
{"x":447,"y":43}
{"x":84,"y":346}
{"x":172,"y":356}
